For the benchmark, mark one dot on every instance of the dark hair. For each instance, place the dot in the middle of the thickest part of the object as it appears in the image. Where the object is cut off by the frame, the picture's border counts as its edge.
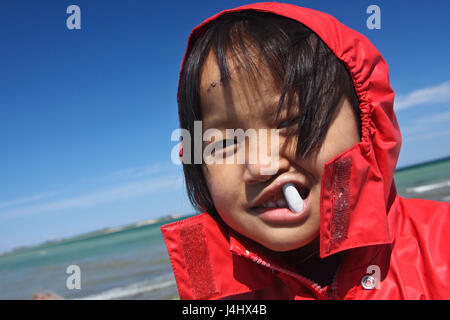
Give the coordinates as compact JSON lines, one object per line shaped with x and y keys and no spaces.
{"x":298,"y":59}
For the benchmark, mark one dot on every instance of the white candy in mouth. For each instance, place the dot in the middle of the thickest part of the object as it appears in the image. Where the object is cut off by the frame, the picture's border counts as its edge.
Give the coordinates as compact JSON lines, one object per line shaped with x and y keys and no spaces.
{"x":293,"y":198}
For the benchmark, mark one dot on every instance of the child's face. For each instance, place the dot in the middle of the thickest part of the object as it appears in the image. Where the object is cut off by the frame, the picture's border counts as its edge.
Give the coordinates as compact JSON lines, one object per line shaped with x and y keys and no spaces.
{"x":236,"y":187}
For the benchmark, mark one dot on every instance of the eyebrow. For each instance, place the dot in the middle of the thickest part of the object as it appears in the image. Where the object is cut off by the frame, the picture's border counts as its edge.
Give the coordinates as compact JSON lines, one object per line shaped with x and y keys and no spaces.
{"x":217,"y":123}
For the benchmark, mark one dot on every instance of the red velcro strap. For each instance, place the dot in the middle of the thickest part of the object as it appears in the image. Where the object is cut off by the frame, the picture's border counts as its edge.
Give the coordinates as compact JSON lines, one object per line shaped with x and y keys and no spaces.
{"x":341,"y":197}
{"x":197,"y":260}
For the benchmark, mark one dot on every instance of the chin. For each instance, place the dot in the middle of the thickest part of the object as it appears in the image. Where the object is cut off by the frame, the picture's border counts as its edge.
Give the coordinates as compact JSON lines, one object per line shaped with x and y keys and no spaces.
{"x":282,"y":242}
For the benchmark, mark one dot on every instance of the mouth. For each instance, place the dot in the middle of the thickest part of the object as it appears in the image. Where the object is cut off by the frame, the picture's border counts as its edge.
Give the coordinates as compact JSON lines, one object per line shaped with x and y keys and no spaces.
{"x":279,"y":200}
{"x":273,"y":206}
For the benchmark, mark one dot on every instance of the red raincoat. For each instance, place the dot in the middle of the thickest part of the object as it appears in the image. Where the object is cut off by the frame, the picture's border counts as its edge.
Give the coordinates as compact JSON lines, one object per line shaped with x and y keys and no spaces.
{"x":392,"y":248}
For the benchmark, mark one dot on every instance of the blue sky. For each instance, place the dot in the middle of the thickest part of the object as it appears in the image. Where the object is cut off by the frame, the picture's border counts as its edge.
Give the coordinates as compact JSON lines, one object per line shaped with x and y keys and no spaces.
{"x":86,"y":115}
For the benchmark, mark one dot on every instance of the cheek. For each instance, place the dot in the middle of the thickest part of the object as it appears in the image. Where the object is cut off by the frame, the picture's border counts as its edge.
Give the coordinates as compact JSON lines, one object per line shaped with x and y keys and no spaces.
{"x":223,"y":184}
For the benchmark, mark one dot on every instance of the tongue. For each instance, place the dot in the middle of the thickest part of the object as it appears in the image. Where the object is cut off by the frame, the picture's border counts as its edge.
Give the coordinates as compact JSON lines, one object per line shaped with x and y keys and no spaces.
{"x":293,"y":198}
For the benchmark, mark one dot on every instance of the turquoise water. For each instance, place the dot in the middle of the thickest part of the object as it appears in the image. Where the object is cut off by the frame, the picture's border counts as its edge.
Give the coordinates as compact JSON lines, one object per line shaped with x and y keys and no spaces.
{"x":429,"y":181}
{"x":133,"y":263}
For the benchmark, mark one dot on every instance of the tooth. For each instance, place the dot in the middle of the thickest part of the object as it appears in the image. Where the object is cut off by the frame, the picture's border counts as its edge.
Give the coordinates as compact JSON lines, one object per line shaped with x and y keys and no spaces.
{"x":281,"y":203}
{"x":293,"y":199}
{"x":271,"y":204}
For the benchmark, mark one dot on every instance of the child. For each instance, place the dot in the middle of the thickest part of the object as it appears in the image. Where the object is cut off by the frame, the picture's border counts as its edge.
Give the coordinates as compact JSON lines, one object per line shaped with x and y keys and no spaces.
{"x":327,"y":223}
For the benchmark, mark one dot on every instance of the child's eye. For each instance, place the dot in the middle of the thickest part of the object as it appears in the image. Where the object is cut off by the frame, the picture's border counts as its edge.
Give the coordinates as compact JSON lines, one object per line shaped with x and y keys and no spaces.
{"x":287,"y":123}
{"x":283,"y":124}
{"x":220,"y":149}
{"x":222,"y":144}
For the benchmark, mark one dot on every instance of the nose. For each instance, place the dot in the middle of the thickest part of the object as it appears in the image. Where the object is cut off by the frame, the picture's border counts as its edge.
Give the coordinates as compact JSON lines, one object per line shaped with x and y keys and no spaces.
{"x":262,"y":164}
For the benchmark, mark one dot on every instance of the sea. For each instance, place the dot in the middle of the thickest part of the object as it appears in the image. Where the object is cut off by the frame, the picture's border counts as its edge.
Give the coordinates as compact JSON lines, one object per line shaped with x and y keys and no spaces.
{"x":132,"y":263}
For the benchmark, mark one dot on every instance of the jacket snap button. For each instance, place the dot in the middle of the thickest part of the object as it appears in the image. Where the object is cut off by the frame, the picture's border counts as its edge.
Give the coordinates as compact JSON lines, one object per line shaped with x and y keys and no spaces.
{"x":368,"y":282}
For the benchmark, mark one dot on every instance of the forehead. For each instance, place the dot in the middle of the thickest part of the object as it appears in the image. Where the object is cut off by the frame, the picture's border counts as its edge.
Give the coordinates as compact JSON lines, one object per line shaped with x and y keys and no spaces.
{"x":248,"y":97}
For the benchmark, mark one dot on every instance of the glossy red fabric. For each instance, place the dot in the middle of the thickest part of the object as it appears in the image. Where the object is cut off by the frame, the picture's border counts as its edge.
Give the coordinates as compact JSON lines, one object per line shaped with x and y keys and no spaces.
{"x":401,"y":243}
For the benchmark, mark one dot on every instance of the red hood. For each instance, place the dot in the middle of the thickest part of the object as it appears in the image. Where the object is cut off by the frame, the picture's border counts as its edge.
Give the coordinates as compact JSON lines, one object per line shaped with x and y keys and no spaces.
{"x":359,"y":202}
{"x":369,"y":166}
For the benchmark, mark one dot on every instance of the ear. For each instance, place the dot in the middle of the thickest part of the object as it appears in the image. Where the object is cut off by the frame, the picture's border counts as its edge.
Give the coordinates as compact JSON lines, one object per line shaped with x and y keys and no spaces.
{"x":180,"y":153}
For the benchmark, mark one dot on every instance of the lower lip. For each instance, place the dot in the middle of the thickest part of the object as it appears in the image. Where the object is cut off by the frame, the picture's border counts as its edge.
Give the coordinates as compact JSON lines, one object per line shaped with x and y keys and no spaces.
{"x":282,"y":215}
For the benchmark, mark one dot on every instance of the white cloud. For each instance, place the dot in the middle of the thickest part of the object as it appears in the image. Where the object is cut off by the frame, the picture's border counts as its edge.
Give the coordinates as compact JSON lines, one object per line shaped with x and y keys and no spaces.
{"x":436,"y":94}
{"x":142,"y":171}
{"x":24,"y":200}
{"x":123,"y":191}
{"x":426,"y":126}
{"x":434,"y":135}
{"x":433,"y":119}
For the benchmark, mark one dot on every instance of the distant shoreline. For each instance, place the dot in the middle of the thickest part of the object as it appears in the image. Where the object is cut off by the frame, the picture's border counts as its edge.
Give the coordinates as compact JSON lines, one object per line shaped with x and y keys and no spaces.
{"x":422,"y":164}
{"x":103,"y":231}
